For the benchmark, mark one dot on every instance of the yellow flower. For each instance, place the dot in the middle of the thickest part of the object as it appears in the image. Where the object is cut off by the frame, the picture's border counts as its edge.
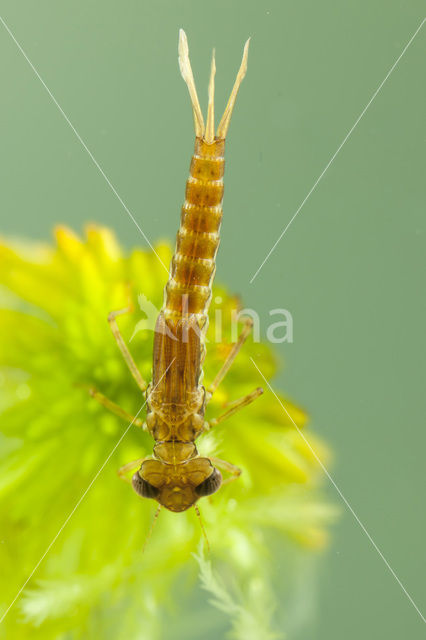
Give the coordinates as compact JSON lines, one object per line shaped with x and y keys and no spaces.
{"x":55,"y":440}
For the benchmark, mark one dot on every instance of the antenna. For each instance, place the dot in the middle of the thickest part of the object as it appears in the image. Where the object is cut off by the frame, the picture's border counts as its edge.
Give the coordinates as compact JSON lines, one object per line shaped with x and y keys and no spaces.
{"x":157,"y":513}
{"x":197,"y":511}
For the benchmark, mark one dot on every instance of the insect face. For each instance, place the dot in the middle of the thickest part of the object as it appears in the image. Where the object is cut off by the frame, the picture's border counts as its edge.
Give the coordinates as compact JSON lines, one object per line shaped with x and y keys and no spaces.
{"x":177,"y":487}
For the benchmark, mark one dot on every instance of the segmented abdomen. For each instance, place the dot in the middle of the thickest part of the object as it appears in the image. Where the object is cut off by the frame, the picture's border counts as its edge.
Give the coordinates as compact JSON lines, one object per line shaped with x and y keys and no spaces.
{"x":193,"y":265}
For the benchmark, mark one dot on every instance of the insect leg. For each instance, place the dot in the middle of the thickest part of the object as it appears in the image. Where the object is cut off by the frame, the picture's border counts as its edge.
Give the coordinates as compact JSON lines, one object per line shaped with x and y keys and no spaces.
{"x":114,"y":408}
{"x":134,"y":464}
{"x":231,"y":357}
{"x":123,"y":347}
{"x":223,"y":465}
{"x":235,"y":406}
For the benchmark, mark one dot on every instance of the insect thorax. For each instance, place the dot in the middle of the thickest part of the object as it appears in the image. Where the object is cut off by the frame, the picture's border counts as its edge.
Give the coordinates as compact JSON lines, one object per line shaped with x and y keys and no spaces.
{"x":181,"y":422}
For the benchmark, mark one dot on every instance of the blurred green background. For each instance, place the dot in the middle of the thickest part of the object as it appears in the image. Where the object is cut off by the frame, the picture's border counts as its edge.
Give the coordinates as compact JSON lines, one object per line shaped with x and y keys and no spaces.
{"x":350,"y":267}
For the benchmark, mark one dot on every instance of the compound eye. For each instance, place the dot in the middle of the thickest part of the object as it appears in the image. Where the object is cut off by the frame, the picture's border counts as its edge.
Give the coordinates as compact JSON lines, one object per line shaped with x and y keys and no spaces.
{"x":209,"y":485}
{"x":144,"y":488}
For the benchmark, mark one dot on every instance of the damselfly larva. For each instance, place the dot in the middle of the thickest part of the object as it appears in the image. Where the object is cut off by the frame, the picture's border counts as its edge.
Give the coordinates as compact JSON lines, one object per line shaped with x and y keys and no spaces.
{"x":176,"y":476}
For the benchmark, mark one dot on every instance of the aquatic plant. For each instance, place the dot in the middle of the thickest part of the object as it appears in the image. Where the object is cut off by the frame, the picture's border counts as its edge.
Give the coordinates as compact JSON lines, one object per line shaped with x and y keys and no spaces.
{"x":59,"y":456}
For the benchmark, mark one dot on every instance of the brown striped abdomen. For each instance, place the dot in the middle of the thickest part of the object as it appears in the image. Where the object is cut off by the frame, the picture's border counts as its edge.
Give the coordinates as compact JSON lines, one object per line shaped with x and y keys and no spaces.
{"x":193,"y":265}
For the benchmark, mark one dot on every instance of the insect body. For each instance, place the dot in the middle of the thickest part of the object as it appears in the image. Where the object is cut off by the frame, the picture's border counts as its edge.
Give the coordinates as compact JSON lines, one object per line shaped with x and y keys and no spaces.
{"x":176,"y":475}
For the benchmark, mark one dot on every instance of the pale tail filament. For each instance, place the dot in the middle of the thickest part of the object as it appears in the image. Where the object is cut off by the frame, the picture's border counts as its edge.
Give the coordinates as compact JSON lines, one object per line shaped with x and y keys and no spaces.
{"x":201,"y":131}
{"x":223,"y":127}
{"x":187,"y":75}
{"x":209,"y":133}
